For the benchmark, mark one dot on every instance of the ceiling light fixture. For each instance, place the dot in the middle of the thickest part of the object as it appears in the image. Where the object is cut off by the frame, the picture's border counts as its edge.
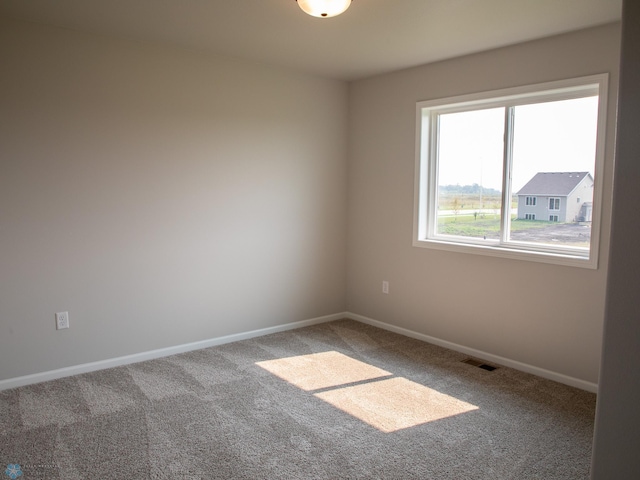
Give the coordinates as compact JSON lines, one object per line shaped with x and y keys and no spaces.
{"x":324,"y":8}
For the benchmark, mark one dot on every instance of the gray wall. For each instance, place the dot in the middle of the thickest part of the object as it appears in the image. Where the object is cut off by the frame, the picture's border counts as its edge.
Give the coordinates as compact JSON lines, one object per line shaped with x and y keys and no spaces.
{"x":555,"y":321}
{"x":581,"y":194}
{"x":160,"y":196}
{"x":164,"y":197}
{"x":617,"y":434}
{"x":541,"y":208}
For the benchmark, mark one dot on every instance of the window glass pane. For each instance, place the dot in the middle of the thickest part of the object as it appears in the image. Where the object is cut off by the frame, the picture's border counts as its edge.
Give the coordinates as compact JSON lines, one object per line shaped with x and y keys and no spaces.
{"x":553,"y":159}
{"x":469,"y":180}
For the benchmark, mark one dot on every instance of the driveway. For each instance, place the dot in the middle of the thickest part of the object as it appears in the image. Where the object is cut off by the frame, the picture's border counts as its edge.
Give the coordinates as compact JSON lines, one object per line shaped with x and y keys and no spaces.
{"x":562,"y":233}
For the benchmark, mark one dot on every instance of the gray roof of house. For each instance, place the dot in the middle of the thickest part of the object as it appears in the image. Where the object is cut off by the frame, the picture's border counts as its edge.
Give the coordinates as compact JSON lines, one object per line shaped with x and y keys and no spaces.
{"x":553,"y":183}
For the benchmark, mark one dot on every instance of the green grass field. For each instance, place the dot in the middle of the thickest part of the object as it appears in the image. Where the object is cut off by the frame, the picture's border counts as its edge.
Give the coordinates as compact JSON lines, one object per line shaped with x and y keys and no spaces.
{"x":466,"y":202}
{"x":466,"y":225}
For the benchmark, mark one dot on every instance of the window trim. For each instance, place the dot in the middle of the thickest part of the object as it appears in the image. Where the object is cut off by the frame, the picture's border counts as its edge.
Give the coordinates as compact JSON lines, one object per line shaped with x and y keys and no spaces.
{"x":556,"y":201}
{"x":530,"y":201}
{"x":425,"y":170}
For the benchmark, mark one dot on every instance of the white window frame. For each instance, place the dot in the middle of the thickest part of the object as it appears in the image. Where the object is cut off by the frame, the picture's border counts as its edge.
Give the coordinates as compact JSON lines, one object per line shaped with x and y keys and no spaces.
{"x":529,"y":216}
{"x":556,"y":201}
{"x":531,"y":201}
{"x":425,"y":191}
{"x":553,"y":218}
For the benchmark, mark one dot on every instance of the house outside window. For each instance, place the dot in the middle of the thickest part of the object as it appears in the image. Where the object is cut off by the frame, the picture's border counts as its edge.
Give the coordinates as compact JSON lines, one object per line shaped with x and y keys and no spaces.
{"x":479,"y":157}
{"x":553,"y":218}
{"x":568,"y":193}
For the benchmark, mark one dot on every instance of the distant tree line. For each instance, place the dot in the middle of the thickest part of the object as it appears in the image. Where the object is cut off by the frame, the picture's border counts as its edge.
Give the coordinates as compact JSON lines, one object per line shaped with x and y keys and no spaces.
{"x":474,"y":189}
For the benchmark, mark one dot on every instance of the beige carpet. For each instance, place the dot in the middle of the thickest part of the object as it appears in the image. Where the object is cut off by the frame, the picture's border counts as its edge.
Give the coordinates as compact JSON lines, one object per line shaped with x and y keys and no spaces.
{"x":338,"y":400}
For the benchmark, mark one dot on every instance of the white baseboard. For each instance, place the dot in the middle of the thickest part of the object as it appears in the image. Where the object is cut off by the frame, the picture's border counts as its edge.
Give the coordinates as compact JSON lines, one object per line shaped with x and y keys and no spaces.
{"x":162,"y":352}
{"x":165,"y":352}
{"x":523,"y":367}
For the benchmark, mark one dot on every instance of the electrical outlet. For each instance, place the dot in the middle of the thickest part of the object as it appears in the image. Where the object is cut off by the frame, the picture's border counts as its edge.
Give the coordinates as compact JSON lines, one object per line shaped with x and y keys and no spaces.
{"x":385,"y":286}
{"x":62,"y":320}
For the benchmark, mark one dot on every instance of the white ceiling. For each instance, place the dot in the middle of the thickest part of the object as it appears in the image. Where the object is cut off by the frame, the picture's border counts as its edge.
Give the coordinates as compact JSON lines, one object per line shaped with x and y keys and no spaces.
{"x":373,"y":36}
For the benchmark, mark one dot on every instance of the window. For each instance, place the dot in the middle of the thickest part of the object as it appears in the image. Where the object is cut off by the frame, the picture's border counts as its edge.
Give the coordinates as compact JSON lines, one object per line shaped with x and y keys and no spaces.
{"x":482,"y":158}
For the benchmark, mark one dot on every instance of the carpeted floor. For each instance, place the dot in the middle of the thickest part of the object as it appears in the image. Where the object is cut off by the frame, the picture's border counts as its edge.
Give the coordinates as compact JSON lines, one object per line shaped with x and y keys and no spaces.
{"x":337,"y":400}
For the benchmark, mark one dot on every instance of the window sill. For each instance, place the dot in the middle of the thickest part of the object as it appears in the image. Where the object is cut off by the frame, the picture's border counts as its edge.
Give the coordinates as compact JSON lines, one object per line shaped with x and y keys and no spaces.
{"x":513,"y":252}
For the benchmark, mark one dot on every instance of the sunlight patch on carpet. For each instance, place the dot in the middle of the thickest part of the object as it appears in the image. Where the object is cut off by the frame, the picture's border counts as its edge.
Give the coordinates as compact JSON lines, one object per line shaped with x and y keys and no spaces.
{"x":394,"y":404}
{"x":388,"y":404}
{"x":322,"y":370}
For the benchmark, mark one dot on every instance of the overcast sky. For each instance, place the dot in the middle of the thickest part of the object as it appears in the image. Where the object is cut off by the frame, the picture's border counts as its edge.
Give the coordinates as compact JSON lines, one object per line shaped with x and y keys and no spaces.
{"x":549,"y":137}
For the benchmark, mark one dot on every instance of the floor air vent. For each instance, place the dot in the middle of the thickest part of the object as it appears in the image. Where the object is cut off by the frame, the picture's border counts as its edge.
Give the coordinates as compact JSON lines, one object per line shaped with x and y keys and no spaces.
{"x":476,"y":363}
